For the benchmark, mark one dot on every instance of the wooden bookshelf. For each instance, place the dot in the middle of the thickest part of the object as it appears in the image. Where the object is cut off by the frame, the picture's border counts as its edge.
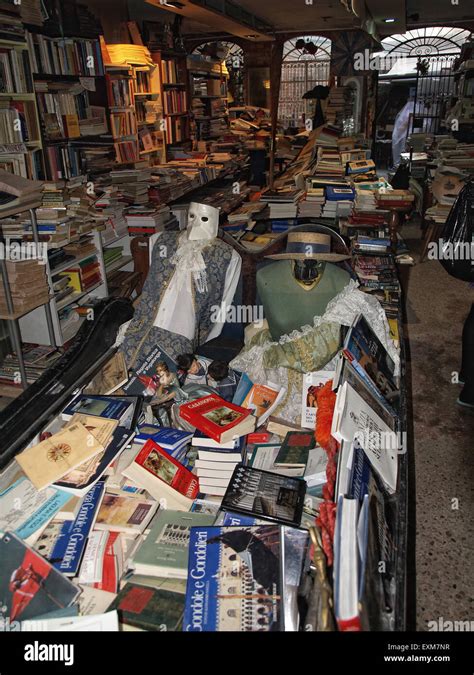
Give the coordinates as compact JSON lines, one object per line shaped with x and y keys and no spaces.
{"x":69,"y":79}
{"x":135,"y":95}
{"x":175,"y":96}
{"x":20,"y":148}
{"x":208,"y":84}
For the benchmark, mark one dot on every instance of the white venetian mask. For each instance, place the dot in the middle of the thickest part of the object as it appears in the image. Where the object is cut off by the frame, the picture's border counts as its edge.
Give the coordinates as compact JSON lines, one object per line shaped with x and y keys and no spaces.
{"x":203,"y":221}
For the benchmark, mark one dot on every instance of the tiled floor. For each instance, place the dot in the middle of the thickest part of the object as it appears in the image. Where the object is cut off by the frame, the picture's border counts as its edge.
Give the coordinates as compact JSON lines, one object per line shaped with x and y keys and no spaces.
{"x":437,"y":305}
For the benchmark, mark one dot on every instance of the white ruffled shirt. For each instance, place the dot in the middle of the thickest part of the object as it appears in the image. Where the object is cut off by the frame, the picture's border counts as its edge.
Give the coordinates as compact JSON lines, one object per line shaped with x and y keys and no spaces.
{"x":176,"y":312}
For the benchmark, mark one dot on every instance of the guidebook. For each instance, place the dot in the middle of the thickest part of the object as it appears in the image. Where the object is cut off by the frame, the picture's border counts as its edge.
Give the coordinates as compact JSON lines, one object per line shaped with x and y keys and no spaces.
{"x":164,"y":552}
{"x":166,"y":479}
{"x":155,"y":367}
{"x":235,"y":579}
{"x":29,"y":584}
{"x":218,"y":418}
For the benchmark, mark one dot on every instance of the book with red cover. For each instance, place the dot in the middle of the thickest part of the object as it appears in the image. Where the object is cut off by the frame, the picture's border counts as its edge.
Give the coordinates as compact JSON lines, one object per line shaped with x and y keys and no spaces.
{"x":218,"y":418}
{"x":163,"y":476}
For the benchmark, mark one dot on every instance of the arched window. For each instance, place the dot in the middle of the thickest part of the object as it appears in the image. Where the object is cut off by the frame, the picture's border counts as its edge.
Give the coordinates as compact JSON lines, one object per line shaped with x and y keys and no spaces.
{"x":426,"y":56}
{"x":306,"y":62}
{"x":233,"y":55}
{"x":430,"y":41}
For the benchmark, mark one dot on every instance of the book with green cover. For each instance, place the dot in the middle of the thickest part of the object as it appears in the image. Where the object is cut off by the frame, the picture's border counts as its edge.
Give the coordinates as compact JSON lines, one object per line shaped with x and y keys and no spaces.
{"x":164,"y":552}
{"x":149,"y":608}
{"x":295,"y":449}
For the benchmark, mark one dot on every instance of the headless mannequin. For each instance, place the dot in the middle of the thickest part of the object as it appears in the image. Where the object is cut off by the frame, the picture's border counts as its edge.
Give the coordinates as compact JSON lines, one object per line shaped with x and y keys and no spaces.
{"x":293,"y":292}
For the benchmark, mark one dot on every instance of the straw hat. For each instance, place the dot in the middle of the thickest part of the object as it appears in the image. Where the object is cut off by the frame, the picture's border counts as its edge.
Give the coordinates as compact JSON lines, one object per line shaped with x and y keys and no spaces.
{"x":309,"y":246}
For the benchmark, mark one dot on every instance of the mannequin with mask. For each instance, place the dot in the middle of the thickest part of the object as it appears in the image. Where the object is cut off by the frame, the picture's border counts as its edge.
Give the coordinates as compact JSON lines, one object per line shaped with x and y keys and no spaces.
{"x":300,"y":285}
{"x":191,"y":272}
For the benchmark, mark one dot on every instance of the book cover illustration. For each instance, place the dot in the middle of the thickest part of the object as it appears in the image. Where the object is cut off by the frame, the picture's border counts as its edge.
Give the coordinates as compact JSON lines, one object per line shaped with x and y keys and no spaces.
{"x":163,"y":466}
{"x":214,"y":416}
{"x":24,"y":510}
{"x":29,"y":585}
{"x":266,"y":495}
{"x":165,"y":549}
{"x":155,"y":368}
{"x":311,"y":383}
{"x":234,"y":579}
{"x":363,"y":346}
{"x":125,"y":513}
{"x":100,"y":406}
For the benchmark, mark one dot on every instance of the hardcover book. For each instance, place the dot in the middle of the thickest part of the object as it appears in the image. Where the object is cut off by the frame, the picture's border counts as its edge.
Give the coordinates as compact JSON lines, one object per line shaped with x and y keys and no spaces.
{"x":152,"y":609}
{"x":235,"y":579}
{"x":110,"y":407}
{"x":265,"y":495}
{"x":29,"y":584}
{"x":165,"y":550}
{"x":295,"y":449}
{"x":218,"y":418}
{"x":166,"y":479}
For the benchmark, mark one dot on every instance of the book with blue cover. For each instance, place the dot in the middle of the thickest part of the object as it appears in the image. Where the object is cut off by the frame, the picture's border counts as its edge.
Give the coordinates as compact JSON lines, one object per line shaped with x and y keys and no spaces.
{"x":119,"y":408}
{"x":336,"y":194}
{"x":66,"y":553}
{"x":235,"y":579}
{"x":167,"y":437}
{"x":38,"y":507}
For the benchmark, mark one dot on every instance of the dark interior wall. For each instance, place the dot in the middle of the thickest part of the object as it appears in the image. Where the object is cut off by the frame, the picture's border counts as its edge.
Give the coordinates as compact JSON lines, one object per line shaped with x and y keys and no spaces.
{"x":113,"y":14}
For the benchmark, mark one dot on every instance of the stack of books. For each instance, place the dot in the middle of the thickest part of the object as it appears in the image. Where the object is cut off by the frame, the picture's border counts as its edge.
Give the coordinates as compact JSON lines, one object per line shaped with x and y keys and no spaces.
{"x":313,"y":200}
{"x":329,"y":163}
{"x":387,"y":199}
{"x":28,"y":286}
{"x":283,"y":203}
{"x":376,"y":272}
{"x":132,"y":184}
{"x":141,"y":220}
{"x":335,"y":106}
{"x":216,"y":462}
{"x":37,"y":359}
{"x":18,"y":193}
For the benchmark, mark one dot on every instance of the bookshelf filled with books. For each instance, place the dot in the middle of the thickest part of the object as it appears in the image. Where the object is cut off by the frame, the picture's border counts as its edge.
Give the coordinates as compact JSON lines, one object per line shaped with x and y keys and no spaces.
{"x":68,"y":75}
{"x":135,"y":104}
{"x":175,"y":96}
{"x":208,"y":92}
{"x":20,"y":137}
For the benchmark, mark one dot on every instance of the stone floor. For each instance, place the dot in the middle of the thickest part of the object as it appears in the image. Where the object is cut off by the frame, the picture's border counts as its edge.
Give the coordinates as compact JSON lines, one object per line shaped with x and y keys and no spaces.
{"x":441,"y":556}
